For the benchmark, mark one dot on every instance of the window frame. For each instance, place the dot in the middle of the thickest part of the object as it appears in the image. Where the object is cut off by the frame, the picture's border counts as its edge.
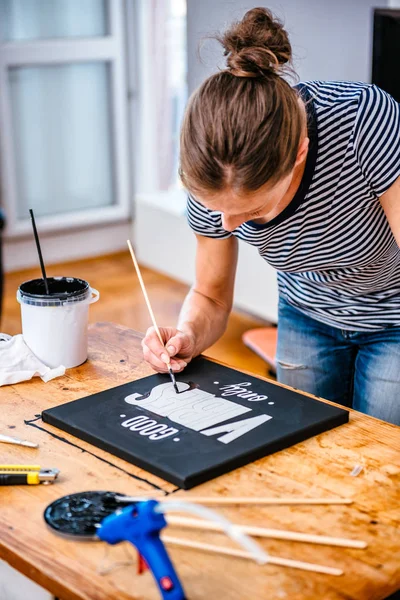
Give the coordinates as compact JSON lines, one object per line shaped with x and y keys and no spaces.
{"x":110,"y":49}
{"x":143,"y":116}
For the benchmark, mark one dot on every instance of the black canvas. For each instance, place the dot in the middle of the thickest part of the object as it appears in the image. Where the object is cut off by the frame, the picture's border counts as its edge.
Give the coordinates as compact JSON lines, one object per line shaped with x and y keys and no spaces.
{"x":221,"y":420}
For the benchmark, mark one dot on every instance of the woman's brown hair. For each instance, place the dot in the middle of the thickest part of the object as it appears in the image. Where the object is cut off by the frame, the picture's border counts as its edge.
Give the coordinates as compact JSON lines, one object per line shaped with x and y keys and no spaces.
{"x":242,"y":126}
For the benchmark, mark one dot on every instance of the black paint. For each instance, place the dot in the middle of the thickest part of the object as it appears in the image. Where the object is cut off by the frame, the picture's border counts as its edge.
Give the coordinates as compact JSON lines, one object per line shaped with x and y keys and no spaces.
{"x":60,"y":288}
{"x":194,"y":457}
{"x":80,"y":514}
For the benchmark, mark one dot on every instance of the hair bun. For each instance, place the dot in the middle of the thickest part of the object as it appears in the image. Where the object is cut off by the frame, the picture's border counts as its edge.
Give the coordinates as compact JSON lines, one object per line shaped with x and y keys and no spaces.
{"x":257,"y":45}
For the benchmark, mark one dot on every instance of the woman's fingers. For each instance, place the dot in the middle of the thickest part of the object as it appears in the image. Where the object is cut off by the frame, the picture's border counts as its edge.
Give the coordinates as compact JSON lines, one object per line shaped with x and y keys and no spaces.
{"x":176,"y":343}
{"x":154,"y":360}
{"x":178,"y":365}
{"x":180,"y":345}
{"x":159,"y":365}
{"x":178,"y":349}
{"x":152,"y":342}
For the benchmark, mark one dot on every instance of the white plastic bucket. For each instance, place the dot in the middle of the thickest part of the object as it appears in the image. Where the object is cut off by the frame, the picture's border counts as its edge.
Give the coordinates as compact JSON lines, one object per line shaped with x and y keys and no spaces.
{"x":55,"y":325}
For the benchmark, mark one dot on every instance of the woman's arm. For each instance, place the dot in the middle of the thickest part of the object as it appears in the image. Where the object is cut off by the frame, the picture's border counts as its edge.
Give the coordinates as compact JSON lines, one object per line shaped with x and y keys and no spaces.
{"x":206,"y":308}
{"x":205,"y":311}
{"x":390,"y":201}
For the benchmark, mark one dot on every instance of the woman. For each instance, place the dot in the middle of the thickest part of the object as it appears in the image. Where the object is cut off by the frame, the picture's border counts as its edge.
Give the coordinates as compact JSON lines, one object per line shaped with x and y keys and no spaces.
{"x":310,"y":176}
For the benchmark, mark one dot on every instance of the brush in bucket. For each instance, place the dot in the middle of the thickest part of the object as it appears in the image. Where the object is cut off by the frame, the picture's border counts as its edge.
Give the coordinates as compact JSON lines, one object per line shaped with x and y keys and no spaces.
{"x":55,"y":314}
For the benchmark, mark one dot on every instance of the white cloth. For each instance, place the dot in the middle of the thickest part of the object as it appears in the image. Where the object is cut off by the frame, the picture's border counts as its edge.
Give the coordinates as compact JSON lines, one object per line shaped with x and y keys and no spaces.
{"x":18,"y":363}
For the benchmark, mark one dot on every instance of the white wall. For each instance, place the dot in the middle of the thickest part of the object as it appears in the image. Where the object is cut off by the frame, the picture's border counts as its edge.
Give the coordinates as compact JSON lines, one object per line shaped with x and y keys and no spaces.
{"x":330,"y":39}
{"x":171,"y":249}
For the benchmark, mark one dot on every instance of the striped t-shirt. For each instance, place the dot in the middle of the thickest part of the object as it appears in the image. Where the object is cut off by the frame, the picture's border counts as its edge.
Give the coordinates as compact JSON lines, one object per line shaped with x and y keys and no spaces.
{"x":336,"y":256}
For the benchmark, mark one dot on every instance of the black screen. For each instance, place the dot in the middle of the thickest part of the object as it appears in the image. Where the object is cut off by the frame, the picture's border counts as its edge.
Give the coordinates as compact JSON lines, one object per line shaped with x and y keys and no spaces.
{"x":386,"y":51}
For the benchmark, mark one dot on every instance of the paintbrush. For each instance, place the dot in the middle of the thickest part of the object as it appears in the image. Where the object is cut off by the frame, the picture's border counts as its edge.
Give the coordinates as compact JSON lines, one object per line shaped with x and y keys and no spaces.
{"x":168,"y":362}
{"x":35,"y":233}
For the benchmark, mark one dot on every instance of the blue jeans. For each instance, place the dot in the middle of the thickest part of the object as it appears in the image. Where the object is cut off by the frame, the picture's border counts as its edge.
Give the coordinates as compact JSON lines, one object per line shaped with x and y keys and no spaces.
{"x":357,"y":369}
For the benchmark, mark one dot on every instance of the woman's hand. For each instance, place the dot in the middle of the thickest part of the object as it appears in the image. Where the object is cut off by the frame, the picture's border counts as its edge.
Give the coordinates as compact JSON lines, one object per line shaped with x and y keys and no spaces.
{"x":205,"y":311}
{"x":179,"y":346}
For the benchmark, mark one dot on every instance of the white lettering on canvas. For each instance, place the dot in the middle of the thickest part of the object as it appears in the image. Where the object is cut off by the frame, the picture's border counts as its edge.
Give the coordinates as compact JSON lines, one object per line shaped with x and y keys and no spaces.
{"x":240,"y":390}
{"x":193,"y":408}
{"x":196,"y":409}
{"x":237,"y":429}
{"x":149,"y":428}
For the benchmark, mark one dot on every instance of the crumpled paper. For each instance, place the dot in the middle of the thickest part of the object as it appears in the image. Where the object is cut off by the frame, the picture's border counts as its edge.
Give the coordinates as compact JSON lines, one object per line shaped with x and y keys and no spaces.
{"x":18,"y":363}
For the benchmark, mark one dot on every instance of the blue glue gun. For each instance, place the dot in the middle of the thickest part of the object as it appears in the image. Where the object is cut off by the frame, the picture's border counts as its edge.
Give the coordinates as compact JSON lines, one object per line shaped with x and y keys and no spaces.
{"x":140,"y":524}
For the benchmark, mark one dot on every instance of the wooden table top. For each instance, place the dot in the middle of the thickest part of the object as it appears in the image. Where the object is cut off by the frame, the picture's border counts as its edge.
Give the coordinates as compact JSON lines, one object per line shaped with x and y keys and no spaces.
{"x":318,"y":467}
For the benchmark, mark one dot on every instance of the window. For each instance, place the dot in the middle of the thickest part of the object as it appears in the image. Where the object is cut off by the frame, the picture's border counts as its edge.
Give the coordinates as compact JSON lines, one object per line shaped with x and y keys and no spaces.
{"x":22,"y":20}
{"x":63,"y":113}
{"x":62,"y":138}
{"x":162,"y":89}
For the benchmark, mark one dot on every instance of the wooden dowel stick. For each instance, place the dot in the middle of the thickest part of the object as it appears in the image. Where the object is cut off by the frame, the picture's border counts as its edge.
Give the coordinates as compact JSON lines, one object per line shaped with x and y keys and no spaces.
{"x":279,"y":534}
{"x":153,"y":319}
{"x":260,"y":501}
{"x":227,"y":501}
{"x":272,"y":560}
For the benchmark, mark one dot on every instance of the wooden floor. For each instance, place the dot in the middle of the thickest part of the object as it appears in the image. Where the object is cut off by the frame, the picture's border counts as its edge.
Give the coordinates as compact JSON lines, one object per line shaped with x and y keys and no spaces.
{"x":121,"y":302}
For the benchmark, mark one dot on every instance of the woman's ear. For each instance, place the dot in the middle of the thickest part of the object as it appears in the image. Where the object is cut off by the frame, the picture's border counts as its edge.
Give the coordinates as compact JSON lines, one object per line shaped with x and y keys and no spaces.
{"x":302,"y":151}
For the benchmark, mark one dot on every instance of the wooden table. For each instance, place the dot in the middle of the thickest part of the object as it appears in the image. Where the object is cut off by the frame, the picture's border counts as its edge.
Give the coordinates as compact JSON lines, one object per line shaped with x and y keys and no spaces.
{"x":320,"y":466}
